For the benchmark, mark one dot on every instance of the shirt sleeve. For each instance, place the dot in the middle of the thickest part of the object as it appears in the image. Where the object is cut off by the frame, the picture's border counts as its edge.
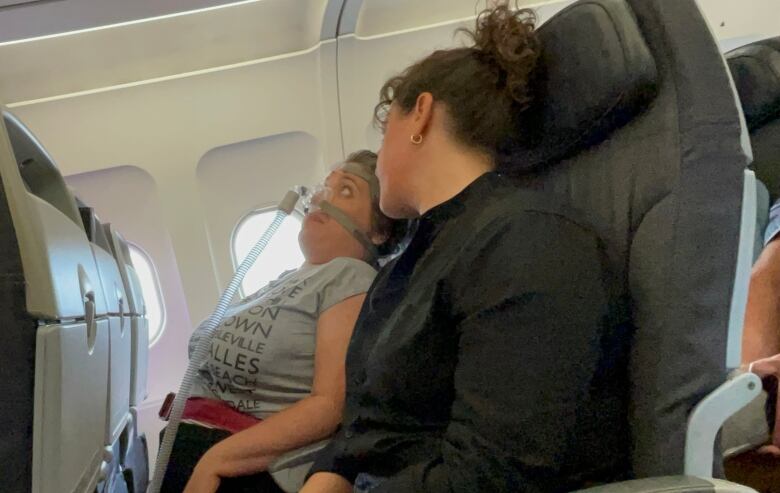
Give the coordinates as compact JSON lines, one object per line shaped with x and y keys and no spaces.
{"x":773,"y":227}
{"x":332,"y":459}
{"x":528,"y":350}
{"x":343,"y":278}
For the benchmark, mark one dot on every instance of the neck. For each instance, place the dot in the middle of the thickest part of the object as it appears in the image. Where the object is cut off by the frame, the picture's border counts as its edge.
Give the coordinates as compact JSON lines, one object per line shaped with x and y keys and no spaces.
{"x":446,"y":175}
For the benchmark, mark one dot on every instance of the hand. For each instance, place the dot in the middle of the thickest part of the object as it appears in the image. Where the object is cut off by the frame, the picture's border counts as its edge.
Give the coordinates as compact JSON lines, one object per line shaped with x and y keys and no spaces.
{"x":204,"y":477}
{"x":325,"y":482}
{"x":770,"y":367}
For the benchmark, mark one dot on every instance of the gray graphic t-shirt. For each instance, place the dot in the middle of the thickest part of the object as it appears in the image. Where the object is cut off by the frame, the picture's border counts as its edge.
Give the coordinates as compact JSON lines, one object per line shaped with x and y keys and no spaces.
{"x":261,"y":359}
{"x":262,"y":354}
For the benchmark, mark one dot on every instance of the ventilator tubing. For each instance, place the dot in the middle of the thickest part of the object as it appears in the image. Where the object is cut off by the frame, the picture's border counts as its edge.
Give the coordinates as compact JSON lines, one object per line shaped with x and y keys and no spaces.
{"x":201,"y":352}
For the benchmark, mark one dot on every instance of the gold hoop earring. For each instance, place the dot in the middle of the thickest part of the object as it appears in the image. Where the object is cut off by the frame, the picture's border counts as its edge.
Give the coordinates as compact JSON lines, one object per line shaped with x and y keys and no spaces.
{"x":417,"y":139}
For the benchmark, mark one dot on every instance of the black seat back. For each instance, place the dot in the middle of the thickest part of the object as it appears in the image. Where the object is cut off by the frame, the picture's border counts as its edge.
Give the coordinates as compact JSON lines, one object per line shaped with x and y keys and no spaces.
{"x":756,"y":72}
{"x":637,"y":126}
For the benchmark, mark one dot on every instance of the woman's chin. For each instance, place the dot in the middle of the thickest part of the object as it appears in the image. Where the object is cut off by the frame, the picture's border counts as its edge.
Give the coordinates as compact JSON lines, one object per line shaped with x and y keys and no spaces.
{"x":396,"y":211}
{"x":317,"y":257}
{"x":311,"y":247}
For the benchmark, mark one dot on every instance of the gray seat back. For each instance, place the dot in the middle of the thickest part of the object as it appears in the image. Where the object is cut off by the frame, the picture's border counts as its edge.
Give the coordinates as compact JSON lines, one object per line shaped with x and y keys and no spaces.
{"x":120,"y":340}
{"x":138,"y":320}
{"x":57,"y":335}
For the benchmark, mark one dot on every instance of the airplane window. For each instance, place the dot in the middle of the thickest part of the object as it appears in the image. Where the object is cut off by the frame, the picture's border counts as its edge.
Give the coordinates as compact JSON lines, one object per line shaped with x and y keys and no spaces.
{"x":281,"y":254}
{"x":150,"y":288}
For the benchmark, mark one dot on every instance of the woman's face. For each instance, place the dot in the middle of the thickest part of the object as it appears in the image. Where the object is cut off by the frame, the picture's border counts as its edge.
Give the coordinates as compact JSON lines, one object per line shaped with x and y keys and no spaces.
{"x":395,"y":164}
{"x":322,"y":238}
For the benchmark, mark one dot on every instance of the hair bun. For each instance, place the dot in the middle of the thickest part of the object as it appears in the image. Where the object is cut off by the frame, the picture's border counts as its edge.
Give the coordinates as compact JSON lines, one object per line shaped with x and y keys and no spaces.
{"x":506,"y":38}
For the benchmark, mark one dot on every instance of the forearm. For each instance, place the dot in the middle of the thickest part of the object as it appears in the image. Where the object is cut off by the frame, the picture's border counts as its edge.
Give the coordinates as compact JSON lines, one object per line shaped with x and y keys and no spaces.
{"x":325,"y":482}
{"x":761,"y":338}
{"x":250,"y":451}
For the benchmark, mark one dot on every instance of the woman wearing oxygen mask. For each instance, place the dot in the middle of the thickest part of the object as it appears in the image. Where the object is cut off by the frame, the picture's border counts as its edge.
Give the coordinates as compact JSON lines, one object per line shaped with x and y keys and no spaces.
{"x":272,"y":390}
{"x":486,"y":357}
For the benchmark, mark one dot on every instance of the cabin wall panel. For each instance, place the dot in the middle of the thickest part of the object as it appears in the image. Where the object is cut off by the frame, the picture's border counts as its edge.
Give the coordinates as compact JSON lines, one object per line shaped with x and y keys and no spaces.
{"x":236,"y":179}
{"x":128,"y":53}
{"x":384,"y":16}
{"x":746,"y":20}
{"x":43,"y":17}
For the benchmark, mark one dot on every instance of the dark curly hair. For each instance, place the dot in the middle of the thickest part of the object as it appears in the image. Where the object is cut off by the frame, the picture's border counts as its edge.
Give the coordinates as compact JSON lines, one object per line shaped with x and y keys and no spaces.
{"x":484,"y":87}
{"x":396,"y":230}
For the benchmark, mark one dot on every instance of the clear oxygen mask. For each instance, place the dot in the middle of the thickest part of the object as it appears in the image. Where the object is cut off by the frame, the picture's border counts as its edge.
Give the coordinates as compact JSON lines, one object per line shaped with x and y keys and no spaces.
{"x":315,"y":196}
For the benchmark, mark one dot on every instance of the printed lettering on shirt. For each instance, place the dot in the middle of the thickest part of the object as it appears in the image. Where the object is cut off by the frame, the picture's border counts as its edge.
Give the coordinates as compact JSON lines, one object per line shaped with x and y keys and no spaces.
{"x":240,"y":342}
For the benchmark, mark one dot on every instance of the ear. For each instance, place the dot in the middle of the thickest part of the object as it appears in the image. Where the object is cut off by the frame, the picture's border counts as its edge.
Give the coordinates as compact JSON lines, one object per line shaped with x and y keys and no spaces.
{"x":423,"y":113}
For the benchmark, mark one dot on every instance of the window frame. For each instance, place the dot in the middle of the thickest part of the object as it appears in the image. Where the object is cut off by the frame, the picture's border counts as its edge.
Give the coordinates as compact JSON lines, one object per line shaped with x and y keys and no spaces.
{"x":296,"y":213}
{"x":157,"y":286}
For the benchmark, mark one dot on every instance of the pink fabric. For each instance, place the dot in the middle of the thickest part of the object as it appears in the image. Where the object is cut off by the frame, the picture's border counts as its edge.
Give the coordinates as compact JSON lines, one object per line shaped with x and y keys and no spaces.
{"x":218,"y":414}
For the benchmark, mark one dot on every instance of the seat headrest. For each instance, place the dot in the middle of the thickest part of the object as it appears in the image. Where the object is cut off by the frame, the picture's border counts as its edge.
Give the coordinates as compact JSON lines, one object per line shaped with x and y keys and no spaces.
{"x":773,"y":43}
{"x":756,"y":72}
{"x":37,"y":169}
{"x":595,"y":73}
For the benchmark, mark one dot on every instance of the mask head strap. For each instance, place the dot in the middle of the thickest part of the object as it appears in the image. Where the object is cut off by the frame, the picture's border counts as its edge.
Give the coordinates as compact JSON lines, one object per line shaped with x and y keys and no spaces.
{"x":366,"y":174}
{"x":347,"y":223}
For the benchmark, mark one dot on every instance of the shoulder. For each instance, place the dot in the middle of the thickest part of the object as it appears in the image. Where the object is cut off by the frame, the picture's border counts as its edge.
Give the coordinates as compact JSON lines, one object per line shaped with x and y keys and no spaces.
{"x":534,"y":255}
{"x":347,"y":266}
{"x":522,"y":220}
{"x":533,"y":241}
{"x":342,"y":278}
{"x":344,"y":274}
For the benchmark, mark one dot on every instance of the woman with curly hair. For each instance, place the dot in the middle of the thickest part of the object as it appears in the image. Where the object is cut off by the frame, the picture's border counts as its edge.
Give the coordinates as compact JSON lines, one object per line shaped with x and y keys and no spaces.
{"x":484,"y":357}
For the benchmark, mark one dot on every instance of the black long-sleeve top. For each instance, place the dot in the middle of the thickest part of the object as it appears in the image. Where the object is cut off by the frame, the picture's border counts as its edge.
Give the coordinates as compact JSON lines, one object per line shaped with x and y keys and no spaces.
{"x":488,"y":356}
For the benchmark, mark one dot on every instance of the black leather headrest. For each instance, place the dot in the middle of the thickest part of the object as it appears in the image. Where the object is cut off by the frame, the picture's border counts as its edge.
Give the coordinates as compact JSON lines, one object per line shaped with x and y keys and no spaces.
{"x":756,"y":72}
{"x":595,"y":74}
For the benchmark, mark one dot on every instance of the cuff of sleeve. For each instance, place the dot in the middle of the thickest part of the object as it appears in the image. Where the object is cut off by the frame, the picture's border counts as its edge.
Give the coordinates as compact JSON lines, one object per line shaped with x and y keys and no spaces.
{"x":771,"y":232}
{"x":773,"y":227}
{"x":331,"y":461}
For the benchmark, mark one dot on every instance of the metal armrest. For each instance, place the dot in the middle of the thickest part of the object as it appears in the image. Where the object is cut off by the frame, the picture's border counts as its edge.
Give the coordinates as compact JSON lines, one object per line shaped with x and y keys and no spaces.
{"x":708,"y":418}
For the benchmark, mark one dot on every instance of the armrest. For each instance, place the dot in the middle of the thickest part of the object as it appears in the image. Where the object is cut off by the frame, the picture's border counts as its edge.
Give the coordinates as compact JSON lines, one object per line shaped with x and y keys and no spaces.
{"x":672,"y":484}
{"x":748,"y":429}
{"x":708,"y":418}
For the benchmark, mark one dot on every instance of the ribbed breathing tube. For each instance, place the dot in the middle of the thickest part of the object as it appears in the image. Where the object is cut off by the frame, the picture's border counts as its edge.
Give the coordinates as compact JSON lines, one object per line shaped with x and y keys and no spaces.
{"x":201,"y":351}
